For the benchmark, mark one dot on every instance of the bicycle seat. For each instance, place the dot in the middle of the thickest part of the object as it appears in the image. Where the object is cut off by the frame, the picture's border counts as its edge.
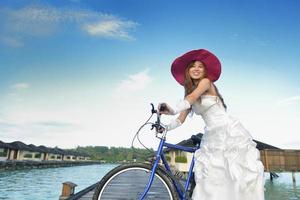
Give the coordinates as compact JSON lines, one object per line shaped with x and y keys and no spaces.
{"x":196,"y":139}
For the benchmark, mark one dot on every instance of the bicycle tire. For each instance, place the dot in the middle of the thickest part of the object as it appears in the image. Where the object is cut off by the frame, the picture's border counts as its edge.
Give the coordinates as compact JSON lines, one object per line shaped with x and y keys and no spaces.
{"x":129,"y":181}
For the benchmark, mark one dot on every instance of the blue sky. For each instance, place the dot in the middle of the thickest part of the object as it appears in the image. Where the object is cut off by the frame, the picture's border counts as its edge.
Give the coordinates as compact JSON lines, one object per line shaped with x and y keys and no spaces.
{"x":84,"y":72}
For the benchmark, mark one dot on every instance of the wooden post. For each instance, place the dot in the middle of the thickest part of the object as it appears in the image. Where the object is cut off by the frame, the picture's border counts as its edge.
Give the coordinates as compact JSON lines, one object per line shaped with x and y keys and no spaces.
{"x":266,"y":160}
{"x":293,"y":177}
{"x":67,"y":190}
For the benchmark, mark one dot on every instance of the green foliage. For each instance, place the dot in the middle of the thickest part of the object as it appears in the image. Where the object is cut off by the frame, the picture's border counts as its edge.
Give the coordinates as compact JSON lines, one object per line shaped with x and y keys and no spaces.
{"x":168,"y":158}
{"x":114,"y":154}
{"x":181,"y":159}
{"x":3,"y":152}
{"x":28,"y":155}
{"x":37,"y":155}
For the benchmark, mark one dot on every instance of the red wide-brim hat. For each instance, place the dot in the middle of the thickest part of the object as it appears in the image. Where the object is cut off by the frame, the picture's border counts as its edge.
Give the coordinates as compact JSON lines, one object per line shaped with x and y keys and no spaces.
{"x":211,"y":62}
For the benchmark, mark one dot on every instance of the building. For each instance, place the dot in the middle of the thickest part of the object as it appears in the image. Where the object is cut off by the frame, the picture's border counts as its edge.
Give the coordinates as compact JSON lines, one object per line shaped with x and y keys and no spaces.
{"x":18,"y":151}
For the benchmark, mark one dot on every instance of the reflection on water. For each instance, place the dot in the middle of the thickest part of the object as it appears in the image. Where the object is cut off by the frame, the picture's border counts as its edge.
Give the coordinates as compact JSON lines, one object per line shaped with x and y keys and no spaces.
{"x":283,"y":188}
{"x":40,"y":184}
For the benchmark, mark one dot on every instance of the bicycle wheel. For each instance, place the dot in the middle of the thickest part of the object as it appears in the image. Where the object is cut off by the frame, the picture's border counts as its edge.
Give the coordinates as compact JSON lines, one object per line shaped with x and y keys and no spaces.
{"x":129,"y":182}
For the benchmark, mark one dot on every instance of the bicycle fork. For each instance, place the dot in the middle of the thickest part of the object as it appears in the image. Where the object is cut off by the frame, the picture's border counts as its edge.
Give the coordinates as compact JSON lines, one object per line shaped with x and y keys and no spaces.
{"x":153,"y":170}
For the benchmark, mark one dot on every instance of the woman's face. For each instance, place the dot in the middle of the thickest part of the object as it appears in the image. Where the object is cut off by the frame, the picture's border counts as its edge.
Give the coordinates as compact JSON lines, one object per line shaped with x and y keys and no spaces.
{"x":197,"y":71}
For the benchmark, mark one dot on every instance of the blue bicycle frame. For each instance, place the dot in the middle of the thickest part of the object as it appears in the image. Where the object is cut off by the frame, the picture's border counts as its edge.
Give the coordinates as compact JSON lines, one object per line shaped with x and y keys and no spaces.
{"x":160,"y":156}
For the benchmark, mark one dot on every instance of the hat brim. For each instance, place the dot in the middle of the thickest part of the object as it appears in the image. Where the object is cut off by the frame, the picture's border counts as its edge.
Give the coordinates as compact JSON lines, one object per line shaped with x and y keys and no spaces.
{"x":211,"y":62}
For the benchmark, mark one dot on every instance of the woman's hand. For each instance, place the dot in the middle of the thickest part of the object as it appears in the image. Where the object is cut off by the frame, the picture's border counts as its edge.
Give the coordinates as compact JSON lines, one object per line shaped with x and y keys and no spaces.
{"x":164,"y":108}
{"x":161,"y":129}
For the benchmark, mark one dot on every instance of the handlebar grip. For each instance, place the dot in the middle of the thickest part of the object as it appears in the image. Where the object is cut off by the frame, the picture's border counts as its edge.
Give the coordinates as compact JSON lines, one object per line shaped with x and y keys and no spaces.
{"x":163,"y":107}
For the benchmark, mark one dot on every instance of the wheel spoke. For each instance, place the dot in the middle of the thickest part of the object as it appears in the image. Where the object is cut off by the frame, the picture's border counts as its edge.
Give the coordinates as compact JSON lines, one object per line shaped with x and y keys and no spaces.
{"x":130,"y":183}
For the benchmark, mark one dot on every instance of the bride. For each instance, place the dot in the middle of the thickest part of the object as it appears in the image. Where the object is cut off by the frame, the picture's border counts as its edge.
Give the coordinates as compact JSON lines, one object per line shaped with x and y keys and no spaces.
{"x":227,"y":165}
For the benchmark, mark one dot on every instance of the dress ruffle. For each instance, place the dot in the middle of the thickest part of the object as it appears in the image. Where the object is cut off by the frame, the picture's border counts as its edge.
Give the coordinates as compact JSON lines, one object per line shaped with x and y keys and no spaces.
{"x":227,"y":165}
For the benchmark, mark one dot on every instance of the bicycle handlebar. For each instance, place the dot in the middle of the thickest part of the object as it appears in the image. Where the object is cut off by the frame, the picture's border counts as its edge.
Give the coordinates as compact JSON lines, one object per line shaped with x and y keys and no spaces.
{"x":157,"y":125}
{"x":153,"y":110}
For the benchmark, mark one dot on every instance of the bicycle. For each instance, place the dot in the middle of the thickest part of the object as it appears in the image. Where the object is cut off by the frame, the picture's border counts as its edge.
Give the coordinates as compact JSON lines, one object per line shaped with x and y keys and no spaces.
{"x":149,"y":180}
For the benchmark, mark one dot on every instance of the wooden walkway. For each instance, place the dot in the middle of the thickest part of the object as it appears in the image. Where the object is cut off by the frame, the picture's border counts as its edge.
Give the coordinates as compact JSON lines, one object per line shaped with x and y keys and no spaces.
{"x":85,"y":194}
{"x":131,"y":189}
{"x":88,"y":194}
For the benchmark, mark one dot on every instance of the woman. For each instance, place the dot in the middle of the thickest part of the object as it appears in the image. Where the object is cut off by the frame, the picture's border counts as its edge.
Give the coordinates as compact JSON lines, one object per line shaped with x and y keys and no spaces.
{"x":227,"y":165}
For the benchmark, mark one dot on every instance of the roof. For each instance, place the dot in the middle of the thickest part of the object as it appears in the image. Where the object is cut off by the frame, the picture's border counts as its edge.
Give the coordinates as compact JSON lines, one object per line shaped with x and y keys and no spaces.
{"x":37,"y":149}
{"x":70,"y":152}
{"x":5,"y":145}
{"x":43,"y":149}
{"x":262,"y":146}
{"x":20,"y":146}
{"x":57,"y":151}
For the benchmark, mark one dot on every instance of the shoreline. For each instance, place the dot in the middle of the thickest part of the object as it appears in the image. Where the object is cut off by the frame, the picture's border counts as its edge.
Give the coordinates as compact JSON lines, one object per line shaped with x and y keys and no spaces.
{"x":17,"y":165}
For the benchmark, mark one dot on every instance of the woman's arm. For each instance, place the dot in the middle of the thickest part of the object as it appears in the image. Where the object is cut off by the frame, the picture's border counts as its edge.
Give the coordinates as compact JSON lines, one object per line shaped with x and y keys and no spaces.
{"x":183,"y":114}
{"x":189,"y":100}
{"x":202,"y":87}
{"x":178,"y":121}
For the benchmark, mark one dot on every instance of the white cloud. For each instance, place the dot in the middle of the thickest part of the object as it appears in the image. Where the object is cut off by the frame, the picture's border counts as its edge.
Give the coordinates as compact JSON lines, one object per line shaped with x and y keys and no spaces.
{"x":18,"y":129}
{"x":288,"y":101}
{"x":33,"y":20}
{"x":44,"y":20}
{"x":113,"y":27}
{"x":18,"y":92}
{"x":20,"y":86}
{"x":134,"y":82}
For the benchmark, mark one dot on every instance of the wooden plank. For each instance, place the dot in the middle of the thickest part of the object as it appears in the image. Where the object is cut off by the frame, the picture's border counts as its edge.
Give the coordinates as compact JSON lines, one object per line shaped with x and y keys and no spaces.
{"x":87,"y":196}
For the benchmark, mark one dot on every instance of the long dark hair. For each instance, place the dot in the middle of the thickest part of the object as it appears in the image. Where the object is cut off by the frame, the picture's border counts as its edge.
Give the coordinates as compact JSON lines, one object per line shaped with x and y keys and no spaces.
{"x":220,"y":96}
{"x":190,"y":84}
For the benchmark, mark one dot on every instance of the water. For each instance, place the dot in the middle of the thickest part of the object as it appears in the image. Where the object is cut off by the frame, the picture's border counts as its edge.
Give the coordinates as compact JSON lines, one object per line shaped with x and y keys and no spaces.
{"x":282,"y":188}
{"x":46,"y":184}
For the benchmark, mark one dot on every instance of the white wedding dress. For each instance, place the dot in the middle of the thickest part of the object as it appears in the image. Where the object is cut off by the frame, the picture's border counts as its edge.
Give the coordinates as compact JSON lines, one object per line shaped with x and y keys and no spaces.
{"x":227,"y":165}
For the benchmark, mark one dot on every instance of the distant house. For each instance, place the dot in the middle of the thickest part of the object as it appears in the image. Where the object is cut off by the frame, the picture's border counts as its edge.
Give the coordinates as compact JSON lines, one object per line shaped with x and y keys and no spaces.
{"x":38,"y":153}
{"x":19,"y":151}
{"x":70,"y":156}
{"x":45,"y":152}
{"x":56,"y":154}
{"x":82,"y":156}
{"x":181,"y":160}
